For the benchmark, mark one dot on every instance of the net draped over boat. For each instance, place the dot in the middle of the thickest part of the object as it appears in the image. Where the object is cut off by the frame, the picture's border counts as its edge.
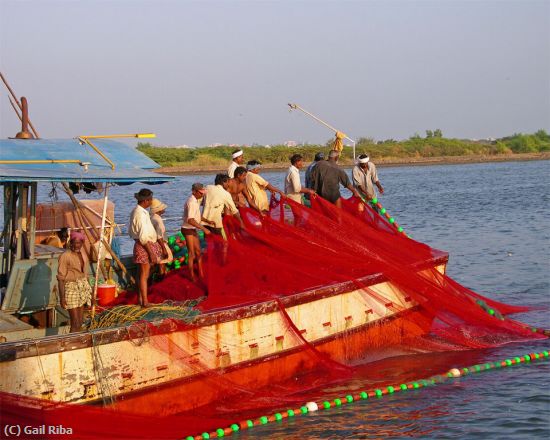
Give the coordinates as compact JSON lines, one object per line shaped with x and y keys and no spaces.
{"x":268,"y":265}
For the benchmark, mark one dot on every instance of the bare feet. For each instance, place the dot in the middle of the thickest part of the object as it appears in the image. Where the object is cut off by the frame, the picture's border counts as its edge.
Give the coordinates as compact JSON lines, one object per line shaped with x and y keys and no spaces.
{"x":146,"y":305}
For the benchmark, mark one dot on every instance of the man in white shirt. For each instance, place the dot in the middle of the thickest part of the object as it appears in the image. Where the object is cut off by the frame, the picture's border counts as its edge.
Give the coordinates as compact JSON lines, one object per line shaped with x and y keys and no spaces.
{"x":218,"y":201}
{"x":147,"y":251}
{"x":293,"y":186}
{"x":237,"y":159}
{"x":364,"y":176}
{"x":191,"y":223}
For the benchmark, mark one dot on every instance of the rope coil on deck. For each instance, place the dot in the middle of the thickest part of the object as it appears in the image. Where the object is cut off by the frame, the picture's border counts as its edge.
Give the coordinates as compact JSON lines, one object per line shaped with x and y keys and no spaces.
{"x":368,"y":395}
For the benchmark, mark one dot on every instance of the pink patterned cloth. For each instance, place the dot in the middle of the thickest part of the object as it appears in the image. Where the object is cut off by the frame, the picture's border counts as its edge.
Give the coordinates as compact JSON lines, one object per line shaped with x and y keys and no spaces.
{"x":141,"y":256}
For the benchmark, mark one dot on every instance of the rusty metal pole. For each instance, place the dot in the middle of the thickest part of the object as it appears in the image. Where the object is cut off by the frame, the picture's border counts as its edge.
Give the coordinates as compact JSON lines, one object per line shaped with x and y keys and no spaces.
{"x":24,"y":133}
{"x":36,"y":135}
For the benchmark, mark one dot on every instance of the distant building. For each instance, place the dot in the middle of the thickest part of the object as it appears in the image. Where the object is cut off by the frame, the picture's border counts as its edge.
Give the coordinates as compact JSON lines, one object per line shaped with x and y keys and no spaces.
{"x":290,"y":143}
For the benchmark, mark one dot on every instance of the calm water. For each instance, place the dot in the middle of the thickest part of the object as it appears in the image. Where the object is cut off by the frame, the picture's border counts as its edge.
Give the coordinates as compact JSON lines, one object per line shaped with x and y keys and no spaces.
{"x":493,"y":219}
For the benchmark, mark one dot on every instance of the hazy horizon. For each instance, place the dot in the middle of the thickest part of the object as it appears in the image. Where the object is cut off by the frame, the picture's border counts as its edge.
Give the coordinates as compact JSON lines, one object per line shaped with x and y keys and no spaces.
{"x":205,"y":72}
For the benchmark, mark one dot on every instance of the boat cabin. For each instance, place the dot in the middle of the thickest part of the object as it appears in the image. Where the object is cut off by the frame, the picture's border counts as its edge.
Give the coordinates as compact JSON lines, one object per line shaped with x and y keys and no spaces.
{"x":28,"y":284}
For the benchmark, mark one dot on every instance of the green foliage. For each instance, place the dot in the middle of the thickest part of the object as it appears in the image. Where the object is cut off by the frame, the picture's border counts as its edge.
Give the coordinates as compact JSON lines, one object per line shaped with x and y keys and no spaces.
{"x":414,"y":147}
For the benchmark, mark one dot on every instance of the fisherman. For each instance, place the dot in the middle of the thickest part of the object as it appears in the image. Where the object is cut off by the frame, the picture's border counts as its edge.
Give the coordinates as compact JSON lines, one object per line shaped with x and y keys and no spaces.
{"x":256,"y":186}
{"x":72,"y":281}
{"x":237,"y":189}
{"x":327,"y":177}
{"x":147,"y":251}
{"x":157,"y":209}
{"x":59,"y":239}
{"x":293,"y":186}
{"x":318,"y":156}
{"x":191,"y":223}
{"x":217,"y":202}
{"x":364,"y":175}
{"x":237,"y":159}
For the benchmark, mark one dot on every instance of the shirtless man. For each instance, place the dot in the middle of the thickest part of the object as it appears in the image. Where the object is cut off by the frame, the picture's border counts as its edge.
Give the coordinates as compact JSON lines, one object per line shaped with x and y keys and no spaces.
{"x":238,"y":191}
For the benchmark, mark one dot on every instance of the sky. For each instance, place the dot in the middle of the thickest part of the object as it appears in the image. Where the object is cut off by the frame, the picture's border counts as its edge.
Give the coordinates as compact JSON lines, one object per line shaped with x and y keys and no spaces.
{"x":204,"y":72}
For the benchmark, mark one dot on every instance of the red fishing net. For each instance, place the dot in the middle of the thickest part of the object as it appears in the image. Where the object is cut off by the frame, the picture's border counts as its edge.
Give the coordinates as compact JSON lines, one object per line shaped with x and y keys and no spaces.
{"x":297,"y":300}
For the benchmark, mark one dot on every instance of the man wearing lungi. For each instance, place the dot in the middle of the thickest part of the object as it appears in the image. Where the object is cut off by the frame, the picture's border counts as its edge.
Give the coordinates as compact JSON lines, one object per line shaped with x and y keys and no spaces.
{"x":147,"y":251}
{"x":72,"y":277}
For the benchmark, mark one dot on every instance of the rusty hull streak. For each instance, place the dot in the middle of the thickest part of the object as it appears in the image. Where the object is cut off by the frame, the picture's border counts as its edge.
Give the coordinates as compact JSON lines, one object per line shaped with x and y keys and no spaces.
{"x":241,"y":365}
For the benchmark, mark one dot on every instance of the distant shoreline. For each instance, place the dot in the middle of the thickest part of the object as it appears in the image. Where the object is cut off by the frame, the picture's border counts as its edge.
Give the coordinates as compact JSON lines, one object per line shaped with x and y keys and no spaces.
{"x":382,"y":162}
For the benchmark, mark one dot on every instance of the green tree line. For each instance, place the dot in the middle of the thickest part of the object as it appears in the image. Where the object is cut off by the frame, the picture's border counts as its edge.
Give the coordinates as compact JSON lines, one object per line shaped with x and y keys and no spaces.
{"x":434,"y":144}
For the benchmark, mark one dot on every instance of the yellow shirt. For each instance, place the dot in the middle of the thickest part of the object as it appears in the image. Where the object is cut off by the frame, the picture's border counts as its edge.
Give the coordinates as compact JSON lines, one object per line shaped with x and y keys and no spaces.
{"x":256,"y":184}
{"x":216,"y":200}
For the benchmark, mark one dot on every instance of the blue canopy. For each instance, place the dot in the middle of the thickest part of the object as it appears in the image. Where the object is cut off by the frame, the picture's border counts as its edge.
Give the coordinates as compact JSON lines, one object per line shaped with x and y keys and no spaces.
{"x":130,"y":164}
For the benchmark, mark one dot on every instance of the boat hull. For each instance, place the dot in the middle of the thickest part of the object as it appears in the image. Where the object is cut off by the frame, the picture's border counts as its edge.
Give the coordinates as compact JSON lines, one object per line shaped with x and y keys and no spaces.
{"x":178,"y":368}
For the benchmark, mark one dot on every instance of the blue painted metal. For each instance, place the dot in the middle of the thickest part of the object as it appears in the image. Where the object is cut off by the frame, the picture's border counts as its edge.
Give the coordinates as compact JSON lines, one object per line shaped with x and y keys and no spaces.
{"x":130,"y":164}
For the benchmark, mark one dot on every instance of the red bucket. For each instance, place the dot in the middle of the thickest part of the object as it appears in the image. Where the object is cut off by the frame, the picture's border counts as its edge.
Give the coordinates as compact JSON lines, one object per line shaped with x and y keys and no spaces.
{"x":106,"y":294}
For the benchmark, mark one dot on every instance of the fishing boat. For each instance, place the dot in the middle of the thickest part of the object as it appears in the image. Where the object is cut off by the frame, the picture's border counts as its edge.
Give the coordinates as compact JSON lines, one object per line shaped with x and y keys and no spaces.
{"x":168,"y":366}
{"x":251,"y":348}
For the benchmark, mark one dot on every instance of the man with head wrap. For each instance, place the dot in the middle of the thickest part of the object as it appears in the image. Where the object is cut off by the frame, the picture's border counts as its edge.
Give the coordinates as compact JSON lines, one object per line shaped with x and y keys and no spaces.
{"x":237,"y":159}
{"x":72,"y":280}
{"x":256,"y":186}
{"x":364,"y":176}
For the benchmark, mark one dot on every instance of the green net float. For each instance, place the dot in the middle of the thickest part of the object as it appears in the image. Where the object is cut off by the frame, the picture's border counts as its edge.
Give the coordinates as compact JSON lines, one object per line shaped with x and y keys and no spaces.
{"x":303,"y":409}
{"x":391,"y":220}
{"x":189,"y":438}
{"x":364,"y":395}
{"x":220,"y":432}
{"x":378,"y":393}
{"x":205,"y":435}
{"x":545,"y":353}
{"x":250,"y":423}
{"x":383,"y":211}
{"x":326,"y":404}
{"x":349,"y":398}
{"x":263,"y":420}
{"x":338,"y":402}
{"x":180,"y":235}
{"x":491,"y":312}
{"x":374,"y":201}
{"x":278,"y":417}
{"x":235,"y":427}
{"x":176,"y":248}
{"x":290,"y":413}
{"x":527,"y":358}
{"x":391,"y":389}
{"x":400,"y":229}
{"x":403,"y":386}
{"x":415,"y":385}
{"x":517,"y":359}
